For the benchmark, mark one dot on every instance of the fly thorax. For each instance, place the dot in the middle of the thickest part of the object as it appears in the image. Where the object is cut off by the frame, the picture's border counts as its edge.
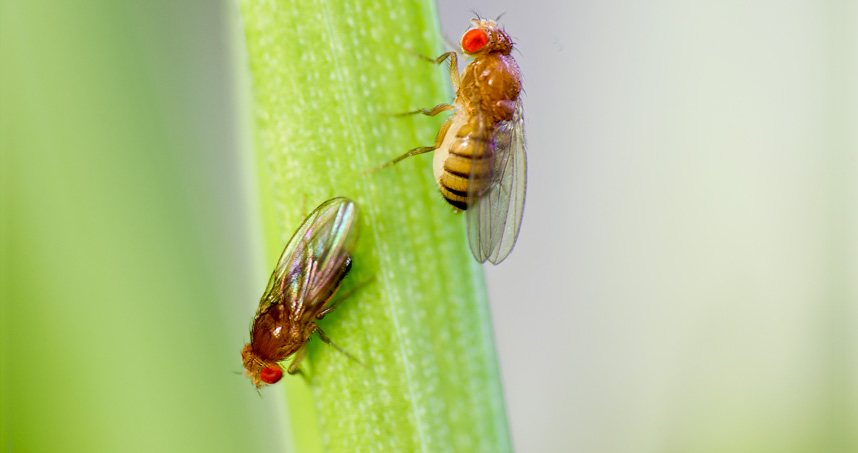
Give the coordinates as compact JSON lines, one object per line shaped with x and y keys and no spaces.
{"x":504,"y":110}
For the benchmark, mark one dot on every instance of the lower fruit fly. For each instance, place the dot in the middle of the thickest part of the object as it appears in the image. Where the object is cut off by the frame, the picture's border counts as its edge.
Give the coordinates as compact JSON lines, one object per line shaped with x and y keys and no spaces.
{"x":480,"y":163}
{"x":300,"y":291}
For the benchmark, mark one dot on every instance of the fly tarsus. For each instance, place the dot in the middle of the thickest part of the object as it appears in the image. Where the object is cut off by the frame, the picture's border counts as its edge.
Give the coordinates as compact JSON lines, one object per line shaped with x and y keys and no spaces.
{"x":428,"y":112}
{"x":328,"y":340}
{"x":293,"y":367}
{"x":343,"y":297}
{"x":423,"y":149}
{"x":454,"y":65}
{"x":413,"y":152}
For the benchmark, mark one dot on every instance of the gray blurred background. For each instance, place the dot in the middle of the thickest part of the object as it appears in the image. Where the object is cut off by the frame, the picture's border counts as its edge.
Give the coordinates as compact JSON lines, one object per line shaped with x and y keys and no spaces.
{"x":685,"y":277}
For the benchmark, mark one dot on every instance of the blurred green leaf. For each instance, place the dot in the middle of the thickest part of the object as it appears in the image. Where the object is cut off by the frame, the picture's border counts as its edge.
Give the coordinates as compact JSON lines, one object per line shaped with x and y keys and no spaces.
{"x":126,"y":250}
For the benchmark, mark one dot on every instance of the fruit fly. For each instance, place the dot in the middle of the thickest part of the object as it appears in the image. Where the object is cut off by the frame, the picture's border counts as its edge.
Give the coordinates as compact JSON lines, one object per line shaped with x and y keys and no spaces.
{"x":480,"y":163}
{"x":300,"y":291}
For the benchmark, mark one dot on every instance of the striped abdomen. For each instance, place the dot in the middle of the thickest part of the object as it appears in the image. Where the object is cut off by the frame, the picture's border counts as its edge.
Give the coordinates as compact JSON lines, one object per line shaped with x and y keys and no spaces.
{"x":464,"y":158}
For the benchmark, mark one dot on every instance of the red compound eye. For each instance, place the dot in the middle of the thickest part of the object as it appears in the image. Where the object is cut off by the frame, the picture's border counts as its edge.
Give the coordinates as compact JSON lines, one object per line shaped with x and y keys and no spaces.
{"x":271,"y":374}
{"x":474,"y":40}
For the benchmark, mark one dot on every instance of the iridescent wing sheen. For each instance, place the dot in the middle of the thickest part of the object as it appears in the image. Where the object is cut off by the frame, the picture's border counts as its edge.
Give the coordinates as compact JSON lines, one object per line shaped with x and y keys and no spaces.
{"x":495,"y":211}
{"x":315,"y":260}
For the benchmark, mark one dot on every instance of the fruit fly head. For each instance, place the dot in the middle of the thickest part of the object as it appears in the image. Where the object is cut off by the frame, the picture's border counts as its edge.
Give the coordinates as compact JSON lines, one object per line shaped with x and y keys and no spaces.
{"x":485,"y":36}
{"x":259,"y":371}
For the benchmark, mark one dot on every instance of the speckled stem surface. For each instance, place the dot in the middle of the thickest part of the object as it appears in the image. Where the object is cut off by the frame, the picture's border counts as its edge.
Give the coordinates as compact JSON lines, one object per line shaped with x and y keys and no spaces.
{"x":324,"y":75}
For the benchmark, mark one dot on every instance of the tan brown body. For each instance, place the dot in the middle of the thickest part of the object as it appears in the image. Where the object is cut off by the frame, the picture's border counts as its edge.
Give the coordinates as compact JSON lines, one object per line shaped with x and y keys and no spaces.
{"x":301,"y":291}
{"x":480,"y":162}
{"x":488,"y":93}
{"x":490,"y":86}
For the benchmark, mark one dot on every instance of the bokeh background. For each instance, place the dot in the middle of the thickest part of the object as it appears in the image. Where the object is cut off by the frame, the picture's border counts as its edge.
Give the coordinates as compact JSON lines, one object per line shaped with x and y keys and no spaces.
{"x":686,"y":278}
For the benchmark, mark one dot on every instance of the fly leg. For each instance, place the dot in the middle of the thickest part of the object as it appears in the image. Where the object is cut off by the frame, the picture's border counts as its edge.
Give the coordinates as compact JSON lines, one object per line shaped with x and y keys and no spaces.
{"x":454,"y":66}
{"x":328,"y":340}
{"x":423,"y":149}
{"x":343,"y":297}
{"x":299,"y":356}
{"x":454,"y":79}
{"x":428,"y":112}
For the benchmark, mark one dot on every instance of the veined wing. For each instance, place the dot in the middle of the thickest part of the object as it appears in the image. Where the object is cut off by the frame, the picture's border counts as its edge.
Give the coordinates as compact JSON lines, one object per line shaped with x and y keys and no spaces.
{"x":495,"y":210}
{"x":315,"y":260}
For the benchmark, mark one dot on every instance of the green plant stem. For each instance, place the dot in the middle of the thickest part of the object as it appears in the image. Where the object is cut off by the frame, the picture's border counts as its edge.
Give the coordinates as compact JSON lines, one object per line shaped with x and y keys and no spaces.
{"x":324,"y":75}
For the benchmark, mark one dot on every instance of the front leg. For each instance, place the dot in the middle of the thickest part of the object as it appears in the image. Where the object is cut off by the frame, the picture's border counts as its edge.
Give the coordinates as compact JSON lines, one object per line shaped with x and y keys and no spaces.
{"x":454,"y":66}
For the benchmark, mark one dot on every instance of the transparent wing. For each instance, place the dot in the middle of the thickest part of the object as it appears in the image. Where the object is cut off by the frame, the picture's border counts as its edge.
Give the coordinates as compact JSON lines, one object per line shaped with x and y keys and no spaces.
{"x":315,"y":260}
{"x":496,"y":208}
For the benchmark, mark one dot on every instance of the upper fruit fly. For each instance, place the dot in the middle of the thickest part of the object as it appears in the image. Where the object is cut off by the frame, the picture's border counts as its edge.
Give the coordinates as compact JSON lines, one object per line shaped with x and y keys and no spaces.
{"x":300,"y":291}
{"x":480,"y":163}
